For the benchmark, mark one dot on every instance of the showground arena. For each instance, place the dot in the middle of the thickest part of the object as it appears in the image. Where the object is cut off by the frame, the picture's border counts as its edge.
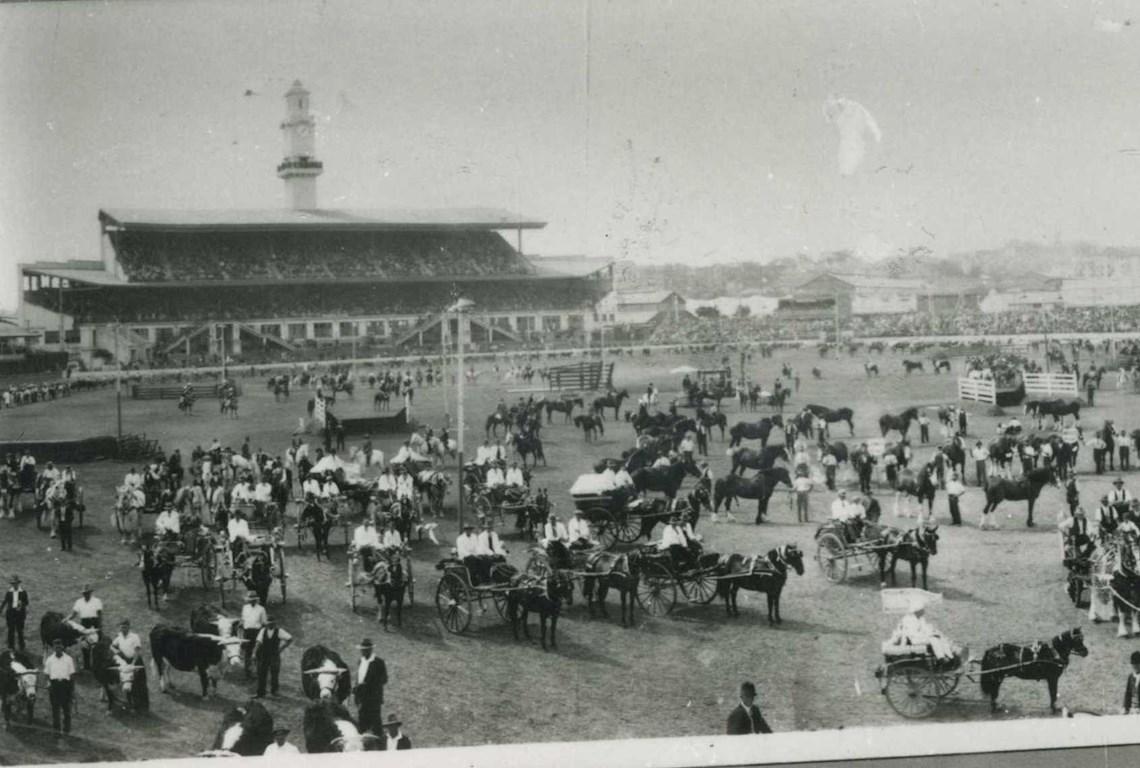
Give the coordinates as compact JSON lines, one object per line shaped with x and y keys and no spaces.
{"x":665,"y":676}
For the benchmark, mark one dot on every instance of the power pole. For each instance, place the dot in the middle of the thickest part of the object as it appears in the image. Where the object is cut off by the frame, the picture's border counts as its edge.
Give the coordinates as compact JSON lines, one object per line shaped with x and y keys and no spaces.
{"x":118,"y":386}
{"x":459,"y":417}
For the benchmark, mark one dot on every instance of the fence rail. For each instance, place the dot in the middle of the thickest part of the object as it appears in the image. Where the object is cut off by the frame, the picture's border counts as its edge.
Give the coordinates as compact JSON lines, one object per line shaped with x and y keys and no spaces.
{"x":978,"y":390}
{"x":1051,"y":384}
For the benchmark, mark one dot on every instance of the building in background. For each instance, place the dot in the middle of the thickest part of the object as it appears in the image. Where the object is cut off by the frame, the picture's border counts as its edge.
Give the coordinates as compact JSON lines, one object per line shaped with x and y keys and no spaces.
{"x":861,"y":294}
{"x":638,"y":308}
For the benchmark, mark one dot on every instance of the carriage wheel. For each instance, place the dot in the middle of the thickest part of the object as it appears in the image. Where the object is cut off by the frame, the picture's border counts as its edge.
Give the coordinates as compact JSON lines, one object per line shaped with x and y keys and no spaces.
{"x":208,"y":566}
{"x":282,"y":577}
{"x":700,"y":587}
{"x":656,"y":590}
{"x":453,"y":603}
{"x":831,"y":558}
{"x":538,"y":567}
{"x":945,"y":684}
{"x":606,"y":526}
{"x":911,"y":692}
{"x":627,"y":528}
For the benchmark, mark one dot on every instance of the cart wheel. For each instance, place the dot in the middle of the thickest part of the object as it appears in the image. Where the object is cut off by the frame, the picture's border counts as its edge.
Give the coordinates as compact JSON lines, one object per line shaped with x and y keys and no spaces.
{"x":410,"y":581}
{"x":946,"y":683}
{"x":453,"y":603}
{"x":656,"y":590}
{"x":911,"y":692}
{"x":605,"y":525}
{"x":627,"y":528}
{"x":831,"y":558}
{"x":700,"y":587}
{"x":538,"y":566}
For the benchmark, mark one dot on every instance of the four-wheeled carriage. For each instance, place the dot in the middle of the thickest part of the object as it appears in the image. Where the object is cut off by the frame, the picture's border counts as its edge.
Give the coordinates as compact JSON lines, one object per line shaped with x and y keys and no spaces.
{"x":457,"y":593}
{"x":617,"y":516}
{"x":660,"y":580}
{"x":360,"y":576}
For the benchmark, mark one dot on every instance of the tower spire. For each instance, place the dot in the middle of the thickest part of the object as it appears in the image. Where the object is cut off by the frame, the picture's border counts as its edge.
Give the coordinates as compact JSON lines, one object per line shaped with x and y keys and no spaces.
{"x":300,"y":168}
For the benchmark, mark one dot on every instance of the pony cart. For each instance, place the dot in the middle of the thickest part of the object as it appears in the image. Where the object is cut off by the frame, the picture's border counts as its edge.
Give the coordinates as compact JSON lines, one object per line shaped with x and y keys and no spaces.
{"x":836,"y":545}
{"x":258,"y":563}
{"x":661,"y":579}
{"x":363,"y":573}
{"x":616,"y":516}
{"x":458,"y":593}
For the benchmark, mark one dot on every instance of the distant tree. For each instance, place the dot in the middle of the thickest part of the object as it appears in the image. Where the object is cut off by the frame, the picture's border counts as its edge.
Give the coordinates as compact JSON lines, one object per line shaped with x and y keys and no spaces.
{"x":742,"y":311}
{"x":708,"y":313}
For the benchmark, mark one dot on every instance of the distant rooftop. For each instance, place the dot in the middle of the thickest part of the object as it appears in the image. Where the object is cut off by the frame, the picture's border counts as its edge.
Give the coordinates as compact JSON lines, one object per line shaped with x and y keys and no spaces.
{"x":324,"y":218}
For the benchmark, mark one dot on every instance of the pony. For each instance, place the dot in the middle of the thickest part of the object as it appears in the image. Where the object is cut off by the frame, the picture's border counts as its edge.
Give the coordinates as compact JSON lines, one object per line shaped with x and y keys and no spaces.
{"x":156,"y":564}
{"x":381,"y":401}
{"x":564,"y":406}
{"x":759,"y":487}
{"x":1028,"y":487}
{"x":389,"y":586}
{"x":257,"y":574}
{"x":126,"y":517}
{"x":756,"y":574}
{"x":746,"y":458}
{"x":759,"y":430}
{"x":710,"y":420}
{"x":830,"y":416}
{"x":920,"y":485}
{"x":319,"y":522}
{"x":591,"y":427}
{"x":1040,"y":661}
{"x":916,"y":547}
{"x":229,"y":407}
{"x":609,"y":401}
{"x":912,"y":365}
{"x":544,"y":599}
{"x":609,"y":570}
{"x":186,"y":404}
{"x":901,"y":422}
{"x":940,"y":364}
{"x":494,"y":421}
{"x":529,"y":445}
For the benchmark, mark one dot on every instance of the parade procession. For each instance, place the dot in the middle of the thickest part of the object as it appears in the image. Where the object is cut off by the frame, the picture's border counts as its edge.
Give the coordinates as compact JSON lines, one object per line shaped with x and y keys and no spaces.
{"x":802,"y":435}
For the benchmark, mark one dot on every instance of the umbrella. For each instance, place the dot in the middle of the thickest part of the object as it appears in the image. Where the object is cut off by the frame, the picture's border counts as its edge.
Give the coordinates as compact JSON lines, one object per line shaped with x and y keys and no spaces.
{"x":684,"y":369}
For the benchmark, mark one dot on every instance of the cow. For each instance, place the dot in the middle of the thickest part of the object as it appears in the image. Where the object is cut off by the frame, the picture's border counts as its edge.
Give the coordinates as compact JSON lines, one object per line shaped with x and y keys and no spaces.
{"x":324,"y":675}
{"x":114,"y":674}
{"x":186,"y":651}
{"x":245,"y":732}
{"x":53,"y":627}
{"x":329,"y":728}
{"x":18,"y":676}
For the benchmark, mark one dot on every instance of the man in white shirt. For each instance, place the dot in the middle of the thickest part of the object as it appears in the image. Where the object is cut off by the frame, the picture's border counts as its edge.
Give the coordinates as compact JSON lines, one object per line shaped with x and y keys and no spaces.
{"x":253,"y":618}
{"x":954,"y":489}
{"x":466,"y":545}
{"x":840,"y":509}
{"x":609,"y":478}
{"x":242,"y":493}
{"x":554,"y":530}
{"x":483,"y":453}
{"x":391,"y":538}
{"x":311,"y":486}
{"x":127,"y":646}
{"x":622,"y":478}
{"x":60,"y":669}
{"x":88,"y":612}
{"x":661,"y":463}
{"x":675,"y":541}
{"x":167,"y":522}
{"x":133,"y":479}
{"x":495,"y":477}
{"x":802,"y":486}
{"x":405,"y":485}
{"x":280,"y":745}
{"x":489,"y":544}
{"x":515,"y":476}
{"x":365,"y":542}
{"x":980,"y":455}
{"x":330,"y":490}
{"x":1119,"y":494}
{"x":687,"y":446}
{"x":238,"y":527}
{"x":394,"y":737}
{"x":262,"y":495}
{"x":579,"y":532}
{"x":386,"y":483}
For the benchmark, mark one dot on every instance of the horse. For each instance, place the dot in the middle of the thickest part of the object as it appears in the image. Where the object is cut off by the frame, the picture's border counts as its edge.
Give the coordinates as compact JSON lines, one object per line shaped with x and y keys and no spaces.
{"x":920,"y":485}
{"x":545,"y":600}
{"x":156,"y":564}
{"x":1040,"y":661}
{"x":319,"y":522}
{"x":759,"y":487}
{"x":916,"y":547}
{"x":529,"y":445}
{"x":609,"y":401}
{"x":438,"y":449}
{"x":590,"y":426}
{"x":389,"y":586}
{"x":1028,"y":488}
{"x":871,"y":369}
{"x":901,"y":422}
{"x":382,"y":400}
{"x":1058,"y":409}
{"x":257,"y":574}
{"x":610,"y":570}
{"x":1125,"y":585}
{"x":746,"y":458}
{"x":940,"y":364}
{"x":564,"y":406}
{"x":324,"y":675}
{"x":756,"y":574}
{"x":229,"y":407}
{"x":759,"y":430}
{"x":830,"y":416}
{"x":912,"y":365}
{"x":710,"y":420}
{"x":494,"y":421}
{"x":666,"y":480}
{"x":186,"y":404}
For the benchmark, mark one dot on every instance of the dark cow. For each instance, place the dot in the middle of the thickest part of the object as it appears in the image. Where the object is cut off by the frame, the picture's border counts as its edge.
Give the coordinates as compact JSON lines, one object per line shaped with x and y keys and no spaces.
{"x":189,"y":651}
{"x":119,"y":677}
{"x":245,"y":732}
{"x":324,"y":675}
{"x":53,"y":627}
{"x":329,"y":728}
{"x":18,"y":674}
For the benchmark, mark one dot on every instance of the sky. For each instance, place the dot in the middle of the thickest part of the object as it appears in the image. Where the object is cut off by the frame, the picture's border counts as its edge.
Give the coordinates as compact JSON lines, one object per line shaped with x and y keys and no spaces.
{"x":693,"y":132}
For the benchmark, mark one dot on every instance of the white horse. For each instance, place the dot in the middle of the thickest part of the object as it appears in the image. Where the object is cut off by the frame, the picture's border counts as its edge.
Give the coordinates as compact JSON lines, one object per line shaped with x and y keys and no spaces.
{"x":127,"y":515}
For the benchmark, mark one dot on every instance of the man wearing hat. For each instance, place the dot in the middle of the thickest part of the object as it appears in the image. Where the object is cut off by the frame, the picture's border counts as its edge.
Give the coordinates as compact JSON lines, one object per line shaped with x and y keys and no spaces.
{"x":554,"y":530}
{"x":1132,"y":687}
{"x":405,"y":484}
{"x":488,"y":549}
{"x":267,"y":648}
{"x":1120,"y":494}
{"x":1107,"y":518}
{"x":394,"y":737}
{"x":167,"y":522}
{"x":371,"y":677}
{"x":88,"y":611}
{"x":746,"y":718}
{"x":253,"y":618}
{"x":579,"y":532}
{"x":954,"y":490}
{"x":15,"y":607}
{"x":280,"y":745}
{"x":365,"y":541}
{"x":674,"y":541}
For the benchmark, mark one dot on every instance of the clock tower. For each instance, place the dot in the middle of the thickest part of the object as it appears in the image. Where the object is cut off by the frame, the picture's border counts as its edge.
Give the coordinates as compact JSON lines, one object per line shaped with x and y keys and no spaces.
{"x":299,"y":169}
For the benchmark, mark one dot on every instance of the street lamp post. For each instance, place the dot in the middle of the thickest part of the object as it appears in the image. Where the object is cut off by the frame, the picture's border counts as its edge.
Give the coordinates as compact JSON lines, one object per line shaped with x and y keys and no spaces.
{"x":459,"y":307}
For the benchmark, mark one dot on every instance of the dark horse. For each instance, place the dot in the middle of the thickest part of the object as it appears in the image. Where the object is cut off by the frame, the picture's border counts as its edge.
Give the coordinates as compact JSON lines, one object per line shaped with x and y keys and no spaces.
{"x":746,"y":458}
{"x":1027,"y":487}
{"x":830,"y":416}
{"x":609,"y":401}
{"x":759,"y":487}
{"x":756,"y":574}
{"x":1040,"y":661}
{"x":527,"y":444}
{"x":545,"y":600}
{"x":1126,"y":588}
{"x":591,"y":426}
{"x":609,"y":570}
{"x":319,"y":522}
{"x":496,"y":420}
{"x":901,"y":422}
{"x":156,"y":563}
{"x":758,"y":430}
{"x":912,"y":365}
{"x":915,"y":546}
{"x":389,"y":586}
{"x":565,"y":407}
{"x":257,"y":575}
{"x":666,"y":480}
{"x":920,"y":485}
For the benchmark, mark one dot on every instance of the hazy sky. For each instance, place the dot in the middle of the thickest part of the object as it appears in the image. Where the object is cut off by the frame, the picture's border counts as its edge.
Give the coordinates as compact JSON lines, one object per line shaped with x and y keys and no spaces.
{"x":680,"y":131}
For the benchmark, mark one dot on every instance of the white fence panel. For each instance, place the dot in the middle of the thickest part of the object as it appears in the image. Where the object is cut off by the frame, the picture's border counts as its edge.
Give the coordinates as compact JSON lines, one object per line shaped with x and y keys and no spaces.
{"x":978,"y":390}
{"x":1051,"y":384}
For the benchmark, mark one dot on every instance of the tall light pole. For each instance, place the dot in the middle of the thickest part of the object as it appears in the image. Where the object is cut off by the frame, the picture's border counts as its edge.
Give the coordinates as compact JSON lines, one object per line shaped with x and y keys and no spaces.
{"x":459,"y":307}
{"x":444,"y":330}
{"x":118,"y":386}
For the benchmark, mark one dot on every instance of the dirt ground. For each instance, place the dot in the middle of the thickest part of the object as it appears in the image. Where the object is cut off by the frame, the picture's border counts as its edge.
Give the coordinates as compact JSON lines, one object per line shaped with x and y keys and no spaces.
{"x":664,"y":677}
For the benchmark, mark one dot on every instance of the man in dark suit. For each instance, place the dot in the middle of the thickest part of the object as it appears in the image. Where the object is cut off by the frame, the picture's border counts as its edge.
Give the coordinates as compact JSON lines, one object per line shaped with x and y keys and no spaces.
{"x":1132,"y":688}
{"x":746,"y":718}
{"x":394,"y":738}
{"x":15,"y":607}
{"x":371,"y":677}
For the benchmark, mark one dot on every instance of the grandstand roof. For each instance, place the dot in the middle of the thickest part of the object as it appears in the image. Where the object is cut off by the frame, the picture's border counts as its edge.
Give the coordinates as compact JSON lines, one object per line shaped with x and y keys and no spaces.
{"x":325,"y":218}
{"x":93,"y":276}
{"x":567,"y":266}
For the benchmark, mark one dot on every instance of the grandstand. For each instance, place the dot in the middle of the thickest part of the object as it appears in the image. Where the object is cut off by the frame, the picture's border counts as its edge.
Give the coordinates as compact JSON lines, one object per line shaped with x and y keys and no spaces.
{"x":192,"y":283}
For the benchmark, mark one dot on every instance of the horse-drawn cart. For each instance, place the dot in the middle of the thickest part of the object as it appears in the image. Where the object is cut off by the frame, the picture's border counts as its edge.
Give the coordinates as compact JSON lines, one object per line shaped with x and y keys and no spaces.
{"x":836,"y":547}
{"x":457,"y":593}
{"x":361,"y":575}
{"x":661,"y":579}
{"x":916,"y":683}
{"x":260,"y":561}
{"x":616,"y":516}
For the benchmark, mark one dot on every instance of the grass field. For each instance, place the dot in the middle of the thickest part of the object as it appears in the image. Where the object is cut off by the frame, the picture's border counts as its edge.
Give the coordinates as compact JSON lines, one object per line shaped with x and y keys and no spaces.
{"x":664,"y":677}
